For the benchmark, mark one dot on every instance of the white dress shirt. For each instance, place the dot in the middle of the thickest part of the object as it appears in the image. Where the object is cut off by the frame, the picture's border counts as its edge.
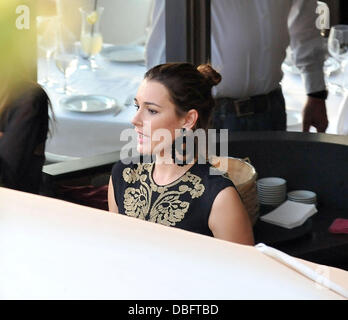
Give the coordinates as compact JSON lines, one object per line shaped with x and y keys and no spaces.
{"x":249,"y":41}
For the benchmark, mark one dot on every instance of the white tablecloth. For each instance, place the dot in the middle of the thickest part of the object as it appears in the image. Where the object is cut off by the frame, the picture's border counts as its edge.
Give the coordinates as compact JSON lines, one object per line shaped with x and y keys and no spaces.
{"x":85,"y":134}
{"x":53,"y":249}
{"x":79,"y":134}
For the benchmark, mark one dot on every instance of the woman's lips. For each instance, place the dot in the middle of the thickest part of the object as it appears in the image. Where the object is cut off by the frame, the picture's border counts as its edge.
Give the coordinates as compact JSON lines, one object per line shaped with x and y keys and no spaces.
{"x":141,"y":136}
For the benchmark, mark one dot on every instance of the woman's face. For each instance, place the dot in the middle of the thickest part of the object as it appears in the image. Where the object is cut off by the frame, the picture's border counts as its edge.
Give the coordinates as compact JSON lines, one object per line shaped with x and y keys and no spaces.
{"x":155,"y":116}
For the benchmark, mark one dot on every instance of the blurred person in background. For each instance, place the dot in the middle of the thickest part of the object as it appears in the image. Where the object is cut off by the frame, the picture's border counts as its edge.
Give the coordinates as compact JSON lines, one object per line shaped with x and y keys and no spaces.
{"x":249,"y":39}
{"x":24,"y":104}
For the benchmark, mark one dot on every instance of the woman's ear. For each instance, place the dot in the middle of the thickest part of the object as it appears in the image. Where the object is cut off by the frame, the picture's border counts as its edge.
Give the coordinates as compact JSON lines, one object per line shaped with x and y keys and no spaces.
{"x":190,"y":119}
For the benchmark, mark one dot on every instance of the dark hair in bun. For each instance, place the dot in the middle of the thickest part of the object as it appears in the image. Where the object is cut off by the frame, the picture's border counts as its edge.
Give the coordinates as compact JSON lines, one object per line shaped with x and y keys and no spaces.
{"x":189,"y":87}
{"x":210,"y":74}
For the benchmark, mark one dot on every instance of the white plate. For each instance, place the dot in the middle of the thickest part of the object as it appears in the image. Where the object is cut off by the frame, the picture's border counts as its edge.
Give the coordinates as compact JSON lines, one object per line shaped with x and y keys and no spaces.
{"x":124,"y":53}
{"x":272,"y":199}
{"x":303,"y":201}
{"x":273,"y":204}
{"x":271,"y":192}
{"x":302,"y":195}
{"x":275,"y":189}
{"x":279,"y":195}
{"x":89,"y":103}
{"x":271,"y":188}
{"x":276,"y":202}
{"x":283,"y":195}
{"x":271,"y":182}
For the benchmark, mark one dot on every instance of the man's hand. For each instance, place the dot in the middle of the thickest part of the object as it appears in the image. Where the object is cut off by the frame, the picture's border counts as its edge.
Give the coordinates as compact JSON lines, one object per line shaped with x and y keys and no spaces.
{"x":314,"y":114}
{"x":1,"y":134}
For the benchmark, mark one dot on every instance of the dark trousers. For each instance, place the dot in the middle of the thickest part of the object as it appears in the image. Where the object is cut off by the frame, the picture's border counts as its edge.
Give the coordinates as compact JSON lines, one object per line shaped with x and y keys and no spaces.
{"x":274,"y":118}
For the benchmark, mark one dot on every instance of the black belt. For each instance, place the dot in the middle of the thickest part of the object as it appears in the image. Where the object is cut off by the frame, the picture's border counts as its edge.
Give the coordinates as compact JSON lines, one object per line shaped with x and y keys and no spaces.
{"x":247,"y":106}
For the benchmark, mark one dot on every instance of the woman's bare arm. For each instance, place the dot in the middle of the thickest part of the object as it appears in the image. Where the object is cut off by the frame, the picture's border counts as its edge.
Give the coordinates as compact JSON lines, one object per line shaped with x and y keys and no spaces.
{"x":111,"y":198}
{"x":229,"y":219}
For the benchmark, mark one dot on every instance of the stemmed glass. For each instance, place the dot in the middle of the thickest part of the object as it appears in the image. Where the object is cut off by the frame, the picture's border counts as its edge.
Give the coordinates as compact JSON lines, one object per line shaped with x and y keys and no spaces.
{"x":91,"y":37}
{"x":66,"y":58}
{"x":338,"y":48}
{"x":47,"y":42}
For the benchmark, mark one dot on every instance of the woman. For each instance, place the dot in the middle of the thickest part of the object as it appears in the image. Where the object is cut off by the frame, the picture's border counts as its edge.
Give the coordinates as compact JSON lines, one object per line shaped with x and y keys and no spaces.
{"x":175,"y":97}
{"x":23,"y":106}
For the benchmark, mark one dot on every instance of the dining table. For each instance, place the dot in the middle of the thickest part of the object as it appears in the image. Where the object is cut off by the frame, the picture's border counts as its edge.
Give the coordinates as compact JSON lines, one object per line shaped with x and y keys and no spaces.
{"x":54,"y":249}
{"x":84,"y":133}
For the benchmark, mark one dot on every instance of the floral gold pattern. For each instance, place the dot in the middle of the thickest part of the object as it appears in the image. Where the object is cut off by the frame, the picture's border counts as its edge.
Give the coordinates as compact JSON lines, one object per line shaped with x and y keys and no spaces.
{"x":160,"y":204}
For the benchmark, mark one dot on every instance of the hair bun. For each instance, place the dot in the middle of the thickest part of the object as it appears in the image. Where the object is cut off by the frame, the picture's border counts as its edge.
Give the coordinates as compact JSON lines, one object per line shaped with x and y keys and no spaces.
{"x":210,"y":74}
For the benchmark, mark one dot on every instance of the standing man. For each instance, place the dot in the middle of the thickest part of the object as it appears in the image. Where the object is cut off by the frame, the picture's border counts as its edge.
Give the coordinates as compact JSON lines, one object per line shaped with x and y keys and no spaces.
{"x":249,"y":41}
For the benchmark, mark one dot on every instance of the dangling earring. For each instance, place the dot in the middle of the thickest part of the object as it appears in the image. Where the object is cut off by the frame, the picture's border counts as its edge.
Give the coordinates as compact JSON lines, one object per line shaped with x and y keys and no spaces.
{"x":182,"y":152}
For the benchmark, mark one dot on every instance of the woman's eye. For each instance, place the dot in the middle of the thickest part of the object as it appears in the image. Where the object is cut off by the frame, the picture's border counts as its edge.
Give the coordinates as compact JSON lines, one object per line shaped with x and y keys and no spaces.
{"x":152,"y":111}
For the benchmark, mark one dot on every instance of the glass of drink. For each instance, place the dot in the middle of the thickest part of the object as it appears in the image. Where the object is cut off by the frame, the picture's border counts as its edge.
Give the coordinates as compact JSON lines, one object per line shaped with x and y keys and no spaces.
{"x":91,"y":38}
{"x":47,"y":27}
{"x":66,"y":58}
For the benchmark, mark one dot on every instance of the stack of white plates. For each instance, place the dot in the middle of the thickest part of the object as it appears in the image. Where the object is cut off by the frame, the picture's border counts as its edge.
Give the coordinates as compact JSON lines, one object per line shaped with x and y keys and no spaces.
{"x":271,"y":191}
{"x":303,"y":196}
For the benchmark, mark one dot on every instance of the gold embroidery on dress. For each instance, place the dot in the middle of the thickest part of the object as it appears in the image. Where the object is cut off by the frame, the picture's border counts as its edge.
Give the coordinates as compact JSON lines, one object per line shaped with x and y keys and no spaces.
{"x":167,"y":209}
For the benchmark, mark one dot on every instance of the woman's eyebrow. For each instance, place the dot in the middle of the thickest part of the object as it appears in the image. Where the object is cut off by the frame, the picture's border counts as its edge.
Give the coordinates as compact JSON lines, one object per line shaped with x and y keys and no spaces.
{"x":149,"y":103}
{"x":152,"y":103}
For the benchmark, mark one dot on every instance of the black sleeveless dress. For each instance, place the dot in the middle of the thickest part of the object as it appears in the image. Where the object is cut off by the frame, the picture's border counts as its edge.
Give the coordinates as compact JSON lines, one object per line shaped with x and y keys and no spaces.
{"x":185,"y":203}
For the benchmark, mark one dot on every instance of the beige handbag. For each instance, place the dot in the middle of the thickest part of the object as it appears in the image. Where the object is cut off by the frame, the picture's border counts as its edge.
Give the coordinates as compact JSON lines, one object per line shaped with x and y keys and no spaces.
{"x":244,"y":177}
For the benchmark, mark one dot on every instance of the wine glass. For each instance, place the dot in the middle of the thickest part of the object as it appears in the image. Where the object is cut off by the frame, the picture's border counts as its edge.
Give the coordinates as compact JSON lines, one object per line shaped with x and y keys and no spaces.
{"x":47,"y":42}
{"x":91,"y":38}
{"x":338,"y":48}
{"x":66,"y":58}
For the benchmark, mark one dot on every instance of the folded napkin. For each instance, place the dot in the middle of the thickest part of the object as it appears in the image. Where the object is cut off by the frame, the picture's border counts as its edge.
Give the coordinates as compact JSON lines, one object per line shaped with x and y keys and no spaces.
{"x":301,"y":268}
{"x":290,"y":214}
{"x":339,"y":225}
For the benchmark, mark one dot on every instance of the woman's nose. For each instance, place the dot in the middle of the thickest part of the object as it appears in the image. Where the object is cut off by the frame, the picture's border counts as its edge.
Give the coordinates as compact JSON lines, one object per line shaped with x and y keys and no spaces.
{"x":137,"y":119}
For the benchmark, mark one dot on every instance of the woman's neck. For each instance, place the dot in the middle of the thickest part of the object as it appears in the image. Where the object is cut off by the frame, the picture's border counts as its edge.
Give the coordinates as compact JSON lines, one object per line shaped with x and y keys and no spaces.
{"x":166,"y":172}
